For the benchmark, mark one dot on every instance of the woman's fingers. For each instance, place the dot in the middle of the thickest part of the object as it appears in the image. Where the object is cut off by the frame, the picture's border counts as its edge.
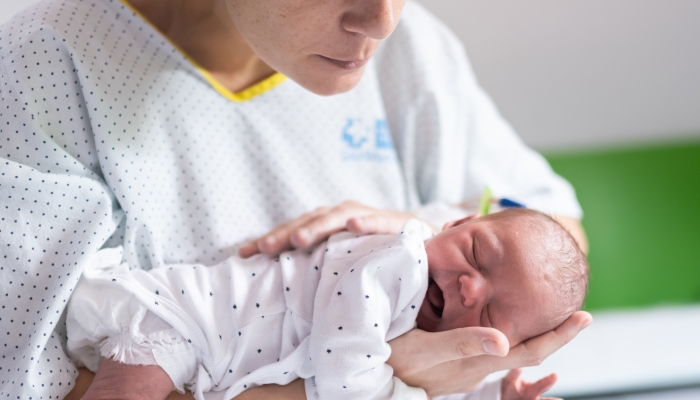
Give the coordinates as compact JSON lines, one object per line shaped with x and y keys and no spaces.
{"x":418,"y":350}
{"x":278,"y":239}
{"x":249,"y":249}
{"x":387,"y":222}
{"x":464,"y":374}
{"x":316,"y":226}
{"x":533,"y":351}
{"x":322,"y":226}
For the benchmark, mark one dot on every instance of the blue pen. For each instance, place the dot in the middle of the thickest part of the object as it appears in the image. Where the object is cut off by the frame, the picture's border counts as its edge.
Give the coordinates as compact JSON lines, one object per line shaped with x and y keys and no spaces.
{"x":508,"y":203}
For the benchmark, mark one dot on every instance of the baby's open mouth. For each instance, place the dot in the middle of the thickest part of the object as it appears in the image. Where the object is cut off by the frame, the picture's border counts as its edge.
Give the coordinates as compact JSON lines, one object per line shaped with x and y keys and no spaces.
{"x":435,"y":298}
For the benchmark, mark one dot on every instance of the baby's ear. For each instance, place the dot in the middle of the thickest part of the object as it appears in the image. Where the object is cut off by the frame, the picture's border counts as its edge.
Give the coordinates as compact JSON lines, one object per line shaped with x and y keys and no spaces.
{"x":452,"y":224}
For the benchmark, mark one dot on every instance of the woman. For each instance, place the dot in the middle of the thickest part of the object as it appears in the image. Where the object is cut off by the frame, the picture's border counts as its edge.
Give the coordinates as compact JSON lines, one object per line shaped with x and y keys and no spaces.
{"x":170,"y":128}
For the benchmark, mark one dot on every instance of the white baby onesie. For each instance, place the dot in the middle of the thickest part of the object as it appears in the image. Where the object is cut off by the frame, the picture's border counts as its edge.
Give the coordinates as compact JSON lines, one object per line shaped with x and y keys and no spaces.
{"x":324,"y":315}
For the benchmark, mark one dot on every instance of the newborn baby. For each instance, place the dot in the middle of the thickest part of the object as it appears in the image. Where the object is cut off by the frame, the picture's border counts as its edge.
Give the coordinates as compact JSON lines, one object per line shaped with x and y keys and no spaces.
{"x":326,"y":316}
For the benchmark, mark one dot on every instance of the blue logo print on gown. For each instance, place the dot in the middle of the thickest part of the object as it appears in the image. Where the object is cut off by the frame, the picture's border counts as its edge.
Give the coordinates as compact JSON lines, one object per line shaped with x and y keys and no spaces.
{"x":365,"y":141}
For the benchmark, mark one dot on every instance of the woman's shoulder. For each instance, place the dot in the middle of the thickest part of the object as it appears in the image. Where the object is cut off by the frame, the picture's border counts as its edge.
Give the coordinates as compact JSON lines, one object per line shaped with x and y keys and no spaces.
{"x":64,"y":28}
{"x":55,"y":20}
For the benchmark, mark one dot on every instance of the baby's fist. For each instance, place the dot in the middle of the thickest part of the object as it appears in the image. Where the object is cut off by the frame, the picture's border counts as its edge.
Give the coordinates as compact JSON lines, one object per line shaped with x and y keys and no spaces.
{"x":514,"y":388}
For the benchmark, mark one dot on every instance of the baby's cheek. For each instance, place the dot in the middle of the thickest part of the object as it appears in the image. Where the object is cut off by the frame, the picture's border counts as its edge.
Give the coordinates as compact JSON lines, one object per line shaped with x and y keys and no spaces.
{"x":466,"y":319}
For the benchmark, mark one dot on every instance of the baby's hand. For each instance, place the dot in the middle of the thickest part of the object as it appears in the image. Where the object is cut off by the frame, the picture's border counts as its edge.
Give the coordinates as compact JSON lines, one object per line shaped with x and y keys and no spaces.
{"x":514,"y":388}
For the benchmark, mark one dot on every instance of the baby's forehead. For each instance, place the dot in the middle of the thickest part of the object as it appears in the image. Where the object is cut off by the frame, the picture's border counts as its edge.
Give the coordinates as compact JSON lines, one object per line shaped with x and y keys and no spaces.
{"x":530,"y":233}
{"x":508,"y":237}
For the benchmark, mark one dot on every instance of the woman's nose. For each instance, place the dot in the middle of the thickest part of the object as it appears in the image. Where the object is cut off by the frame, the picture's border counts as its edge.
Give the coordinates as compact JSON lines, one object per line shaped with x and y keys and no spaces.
{"x":474,"y":289}
{"x":373,"y":18}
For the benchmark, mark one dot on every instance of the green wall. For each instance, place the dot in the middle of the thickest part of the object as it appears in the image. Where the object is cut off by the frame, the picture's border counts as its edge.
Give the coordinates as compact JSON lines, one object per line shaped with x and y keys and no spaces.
{"x":642,"y":216}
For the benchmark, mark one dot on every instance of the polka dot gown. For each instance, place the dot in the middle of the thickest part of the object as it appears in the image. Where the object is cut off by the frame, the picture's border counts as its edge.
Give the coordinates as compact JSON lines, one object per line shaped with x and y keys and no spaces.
{"x":110,"y":136}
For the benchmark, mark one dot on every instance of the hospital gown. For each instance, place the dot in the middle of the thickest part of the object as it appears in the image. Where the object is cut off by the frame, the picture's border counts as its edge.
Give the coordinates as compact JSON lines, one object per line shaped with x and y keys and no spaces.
{"x":110,"y":136}
{"x":324,"y":315}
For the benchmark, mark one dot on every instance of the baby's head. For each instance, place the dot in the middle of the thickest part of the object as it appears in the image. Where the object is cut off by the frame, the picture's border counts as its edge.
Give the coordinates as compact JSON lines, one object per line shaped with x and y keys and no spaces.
{"x":518,"y":271}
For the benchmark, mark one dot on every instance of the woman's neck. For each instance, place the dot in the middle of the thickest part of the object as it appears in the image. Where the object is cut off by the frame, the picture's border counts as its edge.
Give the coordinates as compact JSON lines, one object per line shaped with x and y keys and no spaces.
{"x":205,"y":32}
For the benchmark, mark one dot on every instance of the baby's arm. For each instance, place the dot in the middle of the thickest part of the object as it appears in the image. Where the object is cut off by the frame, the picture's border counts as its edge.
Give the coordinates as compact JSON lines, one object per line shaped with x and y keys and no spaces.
{"x":355,"y":314}
{"x":513,"y":387}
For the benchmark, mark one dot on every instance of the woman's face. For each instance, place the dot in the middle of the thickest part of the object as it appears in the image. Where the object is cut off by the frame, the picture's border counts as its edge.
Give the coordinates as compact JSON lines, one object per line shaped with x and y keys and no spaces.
{"x":323,"y":45}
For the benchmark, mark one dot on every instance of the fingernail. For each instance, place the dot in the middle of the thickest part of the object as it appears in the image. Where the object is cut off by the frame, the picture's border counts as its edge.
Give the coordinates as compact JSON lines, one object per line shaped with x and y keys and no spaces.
{"x":490,"y":347}
{"x":269,"y":242}
{"x":586,"y":324}
{"x":303,"y":234}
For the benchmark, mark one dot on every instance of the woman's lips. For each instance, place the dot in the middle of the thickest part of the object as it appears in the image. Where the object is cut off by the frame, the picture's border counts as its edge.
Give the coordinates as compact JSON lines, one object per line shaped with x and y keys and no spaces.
{"x":435,"y":298}
{"x":346,"y":65}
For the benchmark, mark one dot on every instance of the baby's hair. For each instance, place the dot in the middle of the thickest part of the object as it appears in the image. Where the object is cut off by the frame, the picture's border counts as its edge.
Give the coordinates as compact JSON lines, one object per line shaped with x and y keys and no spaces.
{"x":564,"y":258}
{"x":570,"y":262}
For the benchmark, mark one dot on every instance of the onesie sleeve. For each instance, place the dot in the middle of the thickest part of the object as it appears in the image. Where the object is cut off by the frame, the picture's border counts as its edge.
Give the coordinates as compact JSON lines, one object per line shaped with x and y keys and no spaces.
{"x":57,"y":212}
{"x":375,"y":299}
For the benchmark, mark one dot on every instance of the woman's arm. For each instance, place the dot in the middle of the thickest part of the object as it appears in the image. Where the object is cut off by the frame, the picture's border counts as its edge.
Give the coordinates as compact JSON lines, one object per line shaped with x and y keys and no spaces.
{"x":441,"y":363}
{"x":450,"y":362}
{"x":293,"y":391}
{"x":57,"y":213}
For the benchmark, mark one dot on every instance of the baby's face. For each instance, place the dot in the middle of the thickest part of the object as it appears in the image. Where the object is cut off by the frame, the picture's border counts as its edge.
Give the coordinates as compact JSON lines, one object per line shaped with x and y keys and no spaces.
{"x":487,"y":272}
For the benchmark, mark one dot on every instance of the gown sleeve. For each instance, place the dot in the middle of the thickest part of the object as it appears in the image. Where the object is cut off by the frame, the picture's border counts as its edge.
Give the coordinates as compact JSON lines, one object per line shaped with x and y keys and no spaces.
{"x":450,"y":137}
{"x":57,"y":212}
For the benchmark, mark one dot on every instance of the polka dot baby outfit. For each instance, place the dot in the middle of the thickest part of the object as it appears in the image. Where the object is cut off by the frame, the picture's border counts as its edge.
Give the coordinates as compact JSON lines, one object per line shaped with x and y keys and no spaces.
{"x":324,"y":315}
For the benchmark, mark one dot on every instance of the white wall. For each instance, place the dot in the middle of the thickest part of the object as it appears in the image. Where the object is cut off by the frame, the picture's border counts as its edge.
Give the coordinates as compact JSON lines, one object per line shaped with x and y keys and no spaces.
{"x":8,"y":8}
{"x":585,"y":73}
{"x":578,"y":73}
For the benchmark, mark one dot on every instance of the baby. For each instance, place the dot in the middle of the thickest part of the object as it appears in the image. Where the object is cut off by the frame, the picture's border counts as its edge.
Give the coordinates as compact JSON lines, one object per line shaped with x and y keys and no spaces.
{"x":326,"y":316}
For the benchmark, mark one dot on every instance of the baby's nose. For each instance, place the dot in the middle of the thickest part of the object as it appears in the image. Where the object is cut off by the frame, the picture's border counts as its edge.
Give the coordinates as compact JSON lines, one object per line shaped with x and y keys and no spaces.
{"x":473,"y":289}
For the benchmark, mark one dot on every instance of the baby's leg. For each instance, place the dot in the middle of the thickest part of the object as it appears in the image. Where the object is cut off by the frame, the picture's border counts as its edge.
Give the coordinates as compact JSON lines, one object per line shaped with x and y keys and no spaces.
{"x":85,"y":378}
{"x":115,"y":380}
{"x":112,"y":332}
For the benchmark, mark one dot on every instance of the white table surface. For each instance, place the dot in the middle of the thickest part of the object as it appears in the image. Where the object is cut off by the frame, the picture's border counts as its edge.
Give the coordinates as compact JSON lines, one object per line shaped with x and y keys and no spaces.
{"x":628,"y":351}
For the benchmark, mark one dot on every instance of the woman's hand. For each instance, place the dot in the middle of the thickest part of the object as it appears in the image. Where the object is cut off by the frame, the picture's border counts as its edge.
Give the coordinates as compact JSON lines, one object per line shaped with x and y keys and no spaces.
{"x":450,"y":362}
{"x":316,"y":226}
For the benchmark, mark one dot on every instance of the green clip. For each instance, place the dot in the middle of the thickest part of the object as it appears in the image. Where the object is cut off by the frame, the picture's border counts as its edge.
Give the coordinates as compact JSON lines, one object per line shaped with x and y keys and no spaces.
{"x":485,"y":204}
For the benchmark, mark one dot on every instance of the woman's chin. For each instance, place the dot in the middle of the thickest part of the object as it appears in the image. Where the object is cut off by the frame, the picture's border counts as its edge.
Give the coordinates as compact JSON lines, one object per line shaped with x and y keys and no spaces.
{"x":327,"y":83}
